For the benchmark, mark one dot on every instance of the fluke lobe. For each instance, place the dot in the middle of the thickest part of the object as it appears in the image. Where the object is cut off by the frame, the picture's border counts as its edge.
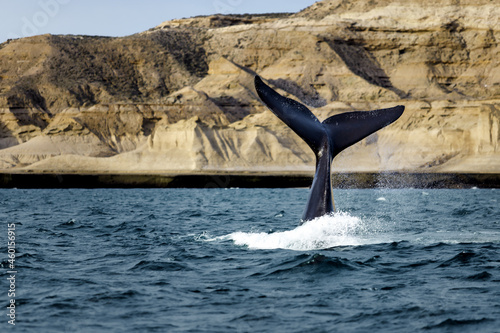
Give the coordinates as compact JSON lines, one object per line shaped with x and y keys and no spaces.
{"x":326,"y":139}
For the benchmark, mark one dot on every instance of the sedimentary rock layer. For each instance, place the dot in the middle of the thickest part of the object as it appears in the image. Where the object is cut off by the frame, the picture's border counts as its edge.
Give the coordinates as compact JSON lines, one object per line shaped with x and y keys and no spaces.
{"x":180,"y":97}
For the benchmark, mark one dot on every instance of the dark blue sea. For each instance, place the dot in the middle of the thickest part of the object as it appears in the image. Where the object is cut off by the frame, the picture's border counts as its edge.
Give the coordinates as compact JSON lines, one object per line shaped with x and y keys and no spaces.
{"x":235,"y":260}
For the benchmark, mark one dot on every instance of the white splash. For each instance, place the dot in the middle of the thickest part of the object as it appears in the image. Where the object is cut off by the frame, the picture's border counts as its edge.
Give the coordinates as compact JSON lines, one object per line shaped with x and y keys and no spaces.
{"x":339,"y":229}
{"x":381,"y":199}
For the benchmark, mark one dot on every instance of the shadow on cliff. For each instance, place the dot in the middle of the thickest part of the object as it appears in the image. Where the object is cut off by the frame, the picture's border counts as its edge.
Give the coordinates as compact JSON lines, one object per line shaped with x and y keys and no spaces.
{"x":7,"y":138}
{"x":362,"y":63}
{"x":28,"y":106}
{"x":307,"y":95}
{"x":235,"y":108}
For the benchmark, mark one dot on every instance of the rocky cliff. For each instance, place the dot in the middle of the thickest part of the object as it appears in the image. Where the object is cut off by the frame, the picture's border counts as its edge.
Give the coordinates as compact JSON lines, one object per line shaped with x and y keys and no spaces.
{"x":180,"y":97}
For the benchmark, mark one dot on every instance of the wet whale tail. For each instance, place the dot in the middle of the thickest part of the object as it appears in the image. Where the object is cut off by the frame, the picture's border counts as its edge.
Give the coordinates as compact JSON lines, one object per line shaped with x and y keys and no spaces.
{"x":326,"y":139}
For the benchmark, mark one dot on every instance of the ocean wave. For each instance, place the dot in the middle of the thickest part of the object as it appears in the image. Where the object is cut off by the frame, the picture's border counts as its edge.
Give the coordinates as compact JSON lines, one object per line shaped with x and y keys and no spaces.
{"x":316,"y":264}
{"x":145,"y":265}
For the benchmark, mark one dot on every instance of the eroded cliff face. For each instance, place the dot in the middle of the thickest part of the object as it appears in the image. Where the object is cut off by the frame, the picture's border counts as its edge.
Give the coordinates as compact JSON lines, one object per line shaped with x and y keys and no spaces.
{"x":180,"y":97}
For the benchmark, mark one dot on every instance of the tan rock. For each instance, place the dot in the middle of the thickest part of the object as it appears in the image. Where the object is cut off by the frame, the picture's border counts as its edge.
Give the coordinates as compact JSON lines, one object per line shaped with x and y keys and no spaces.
{"x":180,"y":97}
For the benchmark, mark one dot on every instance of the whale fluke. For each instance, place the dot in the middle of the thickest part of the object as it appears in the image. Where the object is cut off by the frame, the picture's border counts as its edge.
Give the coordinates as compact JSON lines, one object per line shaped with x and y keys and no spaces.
{"x":326,"y":139}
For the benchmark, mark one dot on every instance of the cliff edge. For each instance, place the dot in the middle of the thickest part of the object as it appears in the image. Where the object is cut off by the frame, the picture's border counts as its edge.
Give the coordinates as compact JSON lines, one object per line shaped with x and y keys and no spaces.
{"x":180,"y":98}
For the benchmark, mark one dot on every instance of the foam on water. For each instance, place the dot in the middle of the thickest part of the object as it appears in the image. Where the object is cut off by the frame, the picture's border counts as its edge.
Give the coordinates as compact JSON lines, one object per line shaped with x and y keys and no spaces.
{"x":411,"y":263}
{"x":338,"y":229}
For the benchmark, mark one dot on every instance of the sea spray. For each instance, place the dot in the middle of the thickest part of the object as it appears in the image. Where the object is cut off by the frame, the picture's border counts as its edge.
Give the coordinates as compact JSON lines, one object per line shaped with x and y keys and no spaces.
{"x":338,"y":229}
{"x":417,"y":266}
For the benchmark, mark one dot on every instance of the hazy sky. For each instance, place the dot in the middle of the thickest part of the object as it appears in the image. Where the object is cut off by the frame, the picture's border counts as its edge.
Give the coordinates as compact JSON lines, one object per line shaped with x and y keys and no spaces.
{"x":22,"y":18}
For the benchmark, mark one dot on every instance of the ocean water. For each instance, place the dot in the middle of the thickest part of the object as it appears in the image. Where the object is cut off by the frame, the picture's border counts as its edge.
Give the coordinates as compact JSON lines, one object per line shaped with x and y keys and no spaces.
{"x":235,"y":260}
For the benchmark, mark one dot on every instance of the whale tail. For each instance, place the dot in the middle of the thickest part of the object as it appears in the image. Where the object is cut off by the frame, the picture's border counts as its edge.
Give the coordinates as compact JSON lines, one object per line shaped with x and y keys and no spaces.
{"x":326,"y":139}
{"x":341,"y":131}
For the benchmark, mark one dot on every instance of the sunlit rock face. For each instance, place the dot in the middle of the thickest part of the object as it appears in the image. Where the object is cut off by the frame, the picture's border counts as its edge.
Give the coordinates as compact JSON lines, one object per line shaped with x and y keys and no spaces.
{"x":180,"y":97}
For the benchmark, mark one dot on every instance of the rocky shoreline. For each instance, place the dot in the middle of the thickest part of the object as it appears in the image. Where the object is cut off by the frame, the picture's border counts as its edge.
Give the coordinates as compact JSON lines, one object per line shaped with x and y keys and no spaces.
{"x":249,"y":180}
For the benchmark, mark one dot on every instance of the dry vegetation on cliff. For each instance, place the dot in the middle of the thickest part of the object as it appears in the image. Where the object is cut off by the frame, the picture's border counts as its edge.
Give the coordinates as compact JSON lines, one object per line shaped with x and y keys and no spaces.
{"x":180,"y":96}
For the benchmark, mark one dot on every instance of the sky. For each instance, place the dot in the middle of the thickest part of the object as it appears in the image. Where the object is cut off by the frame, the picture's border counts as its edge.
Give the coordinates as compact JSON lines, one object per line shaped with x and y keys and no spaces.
{"x":23,"y":18}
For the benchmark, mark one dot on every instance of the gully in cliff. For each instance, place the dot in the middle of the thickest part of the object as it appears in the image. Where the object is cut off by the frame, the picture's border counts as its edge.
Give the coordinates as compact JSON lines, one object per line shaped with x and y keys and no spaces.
{"x":327,"y":139}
